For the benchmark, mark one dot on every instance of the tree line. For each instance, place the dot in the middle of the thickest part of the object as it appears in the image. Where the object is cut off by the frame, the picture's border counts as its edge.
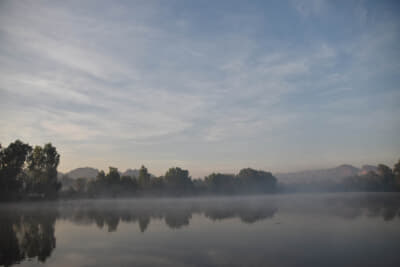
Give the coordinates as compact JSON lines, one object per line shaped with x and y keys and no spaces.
{"x":28,"y":172}
{"x":30,"y":233}
{"x":384,"y":179}
{"x":175,"y":182}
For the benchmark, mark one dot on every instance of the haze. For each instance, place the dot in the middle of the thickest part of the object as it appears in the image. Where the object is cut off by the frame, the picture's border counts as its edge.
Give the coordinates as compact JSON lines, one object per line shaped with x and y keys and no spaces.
{"x":204,"y":85}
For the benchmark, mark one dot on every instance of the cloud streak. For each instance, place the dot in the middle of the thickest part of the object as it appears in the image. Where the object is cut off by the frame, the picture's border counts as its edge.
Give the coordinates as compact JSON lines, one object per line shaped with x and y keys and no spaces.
{"x":151,"y":82}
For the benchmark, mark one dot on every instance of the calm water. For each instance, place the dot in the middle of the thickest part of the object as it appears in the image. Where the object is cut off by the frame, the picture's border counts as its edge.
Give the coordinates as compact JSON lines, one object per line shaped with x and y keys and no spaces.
{"x":284,"y":230}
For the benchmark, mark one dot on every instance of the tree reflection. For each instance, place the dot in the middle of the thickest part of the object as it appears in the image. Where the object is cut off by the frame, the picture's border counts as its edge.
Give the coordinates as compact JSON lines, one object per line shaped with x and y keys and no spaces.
{"x":175,"y":214}
{"x":177,"y":218}
{"x":143,"y":223}
{"x":10,"y":251}
{"x":386,"y":206}
{"x":26,"y":234}
{"x":247,"y":213}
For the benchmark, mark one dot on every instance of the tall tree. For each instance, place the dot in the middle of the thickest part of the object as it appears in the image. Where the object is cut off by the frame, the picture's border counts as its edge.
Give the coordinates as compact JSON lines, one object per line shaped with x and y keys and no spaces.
{"x":257,"y":181}
{"x":144,"y":177}
{"x":221,"y":183}
{"x":113,"y":176}
{"x":42,"y":165}
{"x":113,"y":181}
{"x":12,"y":160}
{"x":396,"y":172}
{"x":387,"y":176}
{"x":178,"y":180}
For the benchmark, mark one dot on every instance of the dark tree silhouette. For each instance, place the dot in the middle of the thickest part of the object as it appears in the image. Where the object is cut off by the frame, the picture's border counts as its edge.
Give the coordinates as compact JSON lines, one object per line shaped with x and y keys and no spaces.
{"x":255,"y":181}
{"x":26,"y":234}
{"x":42,"y":166}
{"x":144,"y":178}
{"x":12,"y":160}
{"x":178,"y":181}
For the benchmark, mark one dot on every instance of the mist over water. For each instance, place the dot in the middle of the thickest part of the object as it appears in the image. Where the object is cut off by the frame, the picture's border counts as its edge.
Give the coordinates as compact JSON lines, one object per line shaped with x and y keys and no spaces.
{"x":346,"y":229}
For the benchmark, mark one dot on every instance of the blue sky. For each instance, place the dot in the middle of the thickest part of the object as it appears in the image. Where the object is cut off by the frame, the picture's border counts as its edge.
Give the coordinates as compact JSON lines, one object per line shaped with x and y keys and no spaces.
{"x":204,"y":85}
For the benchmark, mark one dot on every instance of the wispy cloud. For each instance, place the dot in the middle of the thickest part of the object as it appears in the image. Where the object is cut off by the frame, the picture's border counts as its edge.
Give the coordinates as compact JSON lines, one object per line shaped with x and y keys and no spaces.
{"x":144,"y":81}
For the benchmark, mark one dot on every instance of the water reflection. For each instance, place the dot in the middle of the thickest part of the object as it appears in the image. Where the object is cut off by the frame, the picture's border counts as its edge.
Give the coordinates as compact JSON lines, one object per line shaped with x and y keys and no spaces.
{"x":175,"y":213}
{"x":28,"y":231}
{"x":26,"y":234}
{"x":178,"y":213}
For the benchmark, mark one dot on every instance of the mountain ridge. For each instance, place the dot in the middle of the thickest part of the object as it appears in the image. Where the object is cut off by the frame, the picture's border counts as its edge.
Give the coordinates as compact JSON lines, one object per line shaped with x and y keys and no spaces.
{"x":91,"y":173}
{"x":335,"y":174}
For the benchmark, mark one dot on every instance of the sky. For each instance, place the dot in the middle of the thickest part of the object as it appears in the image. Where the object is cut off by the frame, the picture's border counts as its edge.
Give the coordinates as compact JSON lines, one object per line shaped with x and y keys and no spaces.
{"x":209,"y":86}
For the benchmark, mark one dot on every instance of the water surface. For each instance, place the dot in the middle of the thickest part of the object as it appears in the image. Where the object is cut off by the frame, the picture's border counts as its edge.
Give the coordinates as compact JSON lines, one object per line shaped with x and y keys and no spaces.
{"x":279,"y":230}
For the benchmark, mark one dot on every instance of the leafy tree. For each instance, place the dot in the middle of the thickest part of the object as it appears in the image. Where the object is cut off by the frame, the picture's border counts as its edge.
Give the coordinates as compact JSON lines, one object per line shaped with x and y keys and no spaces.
{"x":113,"y":180}
{"x":113,"y":176}
{"x":221,"y":183}
{"x":101,"y":176}
{"x":396,"y":169}
{"x":370,"y":182}
{"x":157,"y":184}
{"x":42,"y":165}
{"x":144,"y":177}
{"x":12,"y":160}
{"x":98,"y":186}
{"x":256,"y":181}
{"x":199,"y":185}
{"x":178,"y":180}
{"x":129,"y":184}
{"x":387,"y":177}
{"x":396,"y":172}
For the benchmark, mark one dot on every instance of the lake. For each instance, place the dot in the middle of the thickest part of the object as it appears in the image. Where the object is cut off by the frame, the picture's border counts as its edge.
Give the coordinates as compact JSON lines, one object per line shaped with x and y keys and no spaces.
{"x":346,"y":229}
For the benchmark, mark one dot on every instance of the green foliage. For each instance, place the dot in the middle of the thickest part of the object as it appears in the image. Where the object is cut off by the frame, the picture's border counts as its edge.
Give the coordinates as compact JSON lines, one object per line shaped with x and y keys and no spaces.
{"x":144,"y":177}
{"x":129,"y":184}
{"x":12,"y":161}
{"x":33,"y":173}
{"x":384,"y":179}
{"x":396,"y":169}
{"x":42,"y":166}
{"x":221,"y":183}
{"x":178,"y":180}
{"x":157,"y":184}
{"x":113,"y":176}
{"x":255,"y":181}
{"x":368,"y":182}
{"x":112,"y":185}
{"x":396,"y":172}
{"x":247,"y":181}
{"x":387,"y":176}
{"x":101,"y":176}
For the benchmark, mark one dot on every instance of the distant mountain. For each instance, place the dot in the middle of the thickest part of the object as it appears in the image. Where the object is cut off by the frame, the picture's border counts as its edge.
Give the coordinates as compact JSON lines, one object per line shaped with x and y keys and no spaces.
{"x":333,"y":174}
{"x":131,"y":173}
{"x":88,"y":172}
{"x":85,"y":172}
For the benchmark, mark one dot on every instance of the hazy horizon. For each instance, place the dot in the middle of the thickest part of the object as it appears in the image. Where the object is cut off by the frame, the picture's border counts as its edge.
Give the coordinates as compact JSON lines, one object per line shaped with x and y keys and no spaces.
{"x":207,"y":86}
{"x":234,"y":171}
